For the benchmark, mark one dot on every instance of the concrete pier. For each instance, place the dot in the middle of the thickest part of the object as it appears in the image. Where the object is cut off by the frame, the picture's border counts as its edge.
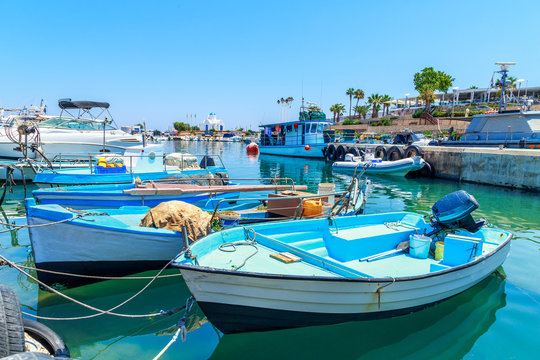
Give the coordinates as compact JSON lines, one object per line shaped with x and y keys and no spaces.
{"x":514,"y":168}
{"x":508,"y":167}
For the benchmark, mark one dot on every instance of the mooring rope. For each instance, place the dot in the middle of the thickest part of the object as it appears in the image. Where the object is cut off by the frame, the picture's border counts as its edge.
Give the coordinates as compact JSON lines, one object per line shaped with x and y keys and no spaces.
{"x":98,"y":311}
{"x":181,"y":328}
{"x":94,"y":276}
{"x":234,"y":244}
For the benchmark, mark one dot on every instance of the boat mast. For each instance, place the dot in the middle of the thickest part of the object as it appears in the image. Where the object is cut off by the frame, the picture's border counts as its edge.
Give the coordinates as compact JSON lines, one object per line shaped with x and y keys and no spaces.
{"x":504,"y":71}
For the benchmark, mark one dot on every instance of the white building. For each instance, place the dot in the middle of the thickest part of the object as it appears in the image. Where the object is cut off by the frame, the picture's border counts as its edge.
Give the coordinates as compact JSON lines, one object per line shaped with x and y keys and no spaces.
{"x":212,"y":123}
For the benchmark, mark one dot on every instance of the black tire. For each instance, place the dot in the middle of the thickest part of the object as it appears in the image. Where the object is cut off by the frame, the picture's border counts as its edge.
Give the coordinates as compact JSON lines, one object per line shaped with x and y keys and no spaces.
{"x":331,"y":153}
{"x":413,"y":150}
{"x":46,"y":337}
{"x":427,"y":170}
{"x":11,"y":323}
{"x":395,"y":153}
{"x":340,"y":153}
{"x":354,"y":151}
{"x":28,"y":356}
{"x":380,"y":152}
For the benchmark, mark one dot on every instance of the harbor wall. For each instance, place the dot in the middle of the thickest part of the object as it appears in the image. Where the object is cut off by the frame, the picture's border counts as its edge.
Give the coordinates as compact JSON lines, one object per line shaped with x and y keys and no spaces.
{"x":513,"y":168}
{"x":507,"y":167}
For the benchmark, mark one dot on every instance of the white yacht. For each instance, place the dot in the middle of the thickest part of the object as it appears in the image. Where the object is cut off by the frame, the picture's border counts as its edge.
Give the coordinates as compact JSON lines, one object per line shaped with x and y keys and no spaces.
{"x":72,"y":135}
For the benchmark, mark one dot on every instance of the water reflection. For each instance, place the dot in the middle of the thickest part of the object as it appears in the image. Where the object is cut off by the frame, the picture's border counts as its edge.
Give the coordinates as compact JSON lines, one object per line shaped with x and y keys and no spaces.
{"x":445,"y":331}
{"x":164,"y":294}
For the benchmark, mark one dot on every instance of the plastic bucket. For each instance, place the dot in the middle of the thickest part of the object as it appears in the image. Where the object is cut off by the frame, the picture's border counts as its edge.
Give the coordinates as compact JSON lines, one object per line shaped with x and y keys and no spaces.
{"x":419,"y":246}
{"x":327,"y":188}
{"x":326,"y":209}
{"x":439,"y":250}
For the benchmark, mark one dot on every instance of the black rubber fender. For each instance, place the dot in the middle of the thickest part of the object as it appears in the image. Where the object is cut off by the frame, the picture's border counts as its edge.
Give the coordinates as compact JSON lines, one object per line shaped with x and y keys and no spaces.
{"x":46,"y":337}
{"x":11,"y":323}
{"x":380,"y":152}
{"x":32,"y":355}
{"x":331,"y":153}
{"x":340,"y":152}
{"x":427,"y":170}
{"x":395,"y":153}
{"x":354,"y":151}
{"x":413,"y":150}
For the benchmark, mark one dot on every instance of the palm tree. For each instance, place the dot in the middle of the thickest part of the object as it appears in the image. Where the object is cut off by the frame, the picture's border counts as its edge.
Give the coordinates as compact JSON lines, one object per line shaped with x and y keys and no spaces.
{"x":358,"y":94}
{"x":386,"y":105}
{"x":350,"y":92}
{"x":337,"y":109}
{"x":375,"y":100}
{"x":362,"y":110}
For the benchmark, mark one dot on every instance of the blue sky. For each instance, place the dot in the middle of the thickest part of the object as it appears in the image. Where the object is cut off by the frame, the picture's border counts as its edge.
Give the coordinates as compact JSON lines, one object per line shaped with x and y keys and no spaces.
{"x":161,"y":60}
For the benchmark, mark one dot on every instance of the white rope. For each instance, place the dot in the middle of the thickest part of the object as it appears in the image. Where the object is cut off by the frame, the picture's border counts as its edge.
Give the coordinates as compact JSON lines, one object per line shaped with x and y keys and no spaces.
{"x":98,"y":311}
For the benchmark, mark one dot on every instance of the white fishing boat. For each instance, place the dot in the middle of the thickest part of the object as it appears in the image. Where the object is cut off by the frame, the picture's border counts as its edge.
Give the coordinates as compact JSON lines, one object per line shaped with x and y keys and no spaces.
{"x":64,"y":134}
{"x":325,"y":271}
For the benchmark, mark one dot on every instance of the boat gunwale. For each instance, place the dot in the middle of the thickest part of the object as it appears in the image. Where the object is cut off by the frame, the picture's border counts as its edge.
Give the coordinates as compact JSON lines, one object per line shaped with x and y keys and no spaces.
{"x":206,"y":269}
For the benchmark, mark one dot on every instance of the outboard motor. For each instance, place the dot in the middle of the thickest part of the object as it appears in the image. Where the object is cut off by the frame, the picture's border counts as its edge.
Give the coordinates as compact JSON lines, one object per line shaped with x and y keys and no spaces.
{"x":454,"y":211}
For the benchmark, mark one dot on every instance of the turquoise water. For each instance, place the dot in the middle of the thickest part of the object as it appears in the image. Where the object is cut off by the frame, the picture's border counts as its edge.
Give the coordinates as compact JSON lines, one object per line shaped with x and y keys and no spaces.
{"x":497,"y":319}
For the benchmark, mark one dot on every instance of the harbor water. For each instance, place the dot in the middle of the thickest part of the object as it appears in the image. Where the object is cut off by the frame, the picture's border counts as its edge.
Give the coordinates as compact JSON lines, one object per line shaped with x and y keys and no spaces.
{"x":497,"y":319}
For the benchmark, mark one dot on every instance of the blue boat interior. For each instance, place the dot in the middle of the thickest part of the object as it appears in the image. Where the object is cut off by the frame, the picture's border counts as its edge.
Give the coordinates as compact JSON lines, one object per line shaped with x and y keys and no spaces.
{"x":334,"y":247}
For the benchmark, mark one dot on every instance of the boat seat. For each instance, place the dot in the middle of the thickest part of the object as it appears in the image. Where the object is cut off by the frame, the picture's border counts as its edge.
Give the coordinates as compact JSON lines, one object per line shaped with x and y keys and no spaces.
{"x":352,"y":244}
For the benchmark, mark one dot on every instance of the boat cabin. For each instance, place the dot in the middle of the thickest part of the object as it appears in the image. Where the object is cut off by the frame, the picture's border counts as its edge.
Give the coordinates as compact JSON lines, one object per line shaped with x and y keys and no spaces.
{"x":294,"y":133}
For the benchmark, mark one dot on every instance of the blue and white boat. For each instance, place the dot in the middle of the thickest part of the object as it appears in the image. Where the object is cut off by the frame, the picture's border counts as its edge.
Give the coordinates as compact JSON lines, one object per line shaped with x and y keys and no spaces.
{"x":98,"y":242}
{"x":150,"y":194}
{"x":303,"y":138}
{"x":143,"y":163}
{"x":324,"y":271}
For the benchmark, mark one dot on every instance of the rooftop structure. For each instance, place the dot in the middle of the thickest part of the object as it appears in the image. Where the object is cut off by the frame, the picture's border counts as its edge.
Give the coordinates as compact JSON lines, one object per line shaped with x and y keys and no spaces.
{"x":212,"y":123}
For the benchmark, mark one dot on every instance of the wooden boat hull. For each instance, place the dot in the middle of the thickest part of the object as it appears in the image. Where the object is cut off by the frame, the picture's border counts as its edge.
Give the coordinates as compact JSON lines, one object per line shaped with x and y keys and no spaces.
{"x":240,"y":301}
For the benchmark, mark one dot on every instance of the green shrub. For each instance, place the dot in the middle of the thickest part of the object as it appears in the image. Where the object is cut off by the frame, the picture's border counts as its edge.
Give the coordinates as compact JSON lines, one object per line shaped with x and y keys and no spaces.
{"x":347,"y":122}
{"x":416,"y":115}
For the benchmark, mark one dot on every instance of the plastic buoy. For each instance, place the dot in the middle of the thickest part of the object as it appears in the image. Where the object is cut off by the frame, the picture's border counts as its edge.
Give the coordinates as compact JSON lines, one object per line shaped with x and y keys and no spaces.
{"x":252,"y":148}
{"x":307,"y":147}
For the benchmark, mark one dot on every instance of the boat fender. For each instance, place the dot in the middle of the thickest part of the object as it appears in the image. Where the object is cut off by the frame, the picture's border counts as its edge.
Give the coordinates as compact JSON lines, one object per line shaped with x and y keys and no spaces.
{"x":427,"y":170}
{"x":11,"y":323}
{"x":354,"y":151}
{"x":395,"y":153}
{"x":380,"y":152}
{"x":307,"y":147}
{"x":46,"y":337}
{"x":340,"y":152}
{"x":413,"y":150}
{"x":331,"y":153}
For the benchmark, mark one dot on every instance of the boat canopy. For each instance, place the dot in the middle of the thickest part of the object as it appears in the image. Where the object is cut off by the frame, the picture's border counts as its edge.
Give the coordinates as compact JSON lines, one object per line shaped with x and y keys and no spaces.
{"x":81,"y":104}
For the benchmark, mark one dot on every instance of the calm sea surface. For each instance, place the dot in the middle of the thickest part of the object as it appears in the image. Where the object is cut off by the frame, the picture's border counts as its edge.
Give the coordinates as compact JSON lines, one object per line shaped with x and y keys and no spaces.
{"x":497,"y":319}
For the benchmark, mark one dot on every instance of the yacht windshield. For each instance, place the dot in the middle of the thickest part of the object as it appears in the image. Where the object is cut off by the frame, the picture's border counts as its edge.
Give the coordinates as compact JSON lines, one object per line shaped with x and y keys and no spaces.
{"x":76,"y":124}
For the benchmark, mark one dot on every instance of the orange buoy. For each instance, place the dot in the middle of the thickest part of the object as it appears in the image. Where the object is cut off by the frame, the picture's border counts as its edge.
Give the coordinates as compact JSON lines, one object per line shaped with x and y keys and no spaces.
{"x":252,"y":148}
{"x":307,"y":147}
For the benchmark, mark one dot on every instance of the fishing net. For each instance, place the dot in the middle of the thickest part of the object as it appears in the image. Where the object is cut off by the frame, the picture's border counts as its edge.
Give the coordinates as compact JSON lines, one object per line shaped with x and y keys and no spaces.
{"x":175,"y":215}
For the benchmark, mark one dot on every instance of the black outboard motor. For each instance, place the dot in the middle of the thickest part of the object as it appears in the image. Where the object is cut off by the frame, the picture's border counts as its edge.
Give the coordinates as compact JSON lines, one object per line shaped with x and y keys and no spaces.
{"x":454,"y":211}
{"x":206,"y":162}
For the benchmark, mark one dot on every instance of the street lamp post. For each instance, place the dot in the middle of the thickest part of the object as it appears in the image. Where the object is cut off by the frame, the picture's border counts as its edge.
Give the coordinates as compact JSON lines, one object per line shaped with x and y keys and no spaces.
{"x":454,"y":98}
{"x":519,"y":87}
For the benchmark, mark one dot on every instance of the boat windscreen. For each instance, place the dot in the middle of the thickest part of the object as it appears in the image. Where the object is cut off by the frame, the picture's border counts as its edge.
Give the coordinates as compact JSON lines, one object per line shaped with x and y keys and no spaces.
{"x":76,"y":124}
